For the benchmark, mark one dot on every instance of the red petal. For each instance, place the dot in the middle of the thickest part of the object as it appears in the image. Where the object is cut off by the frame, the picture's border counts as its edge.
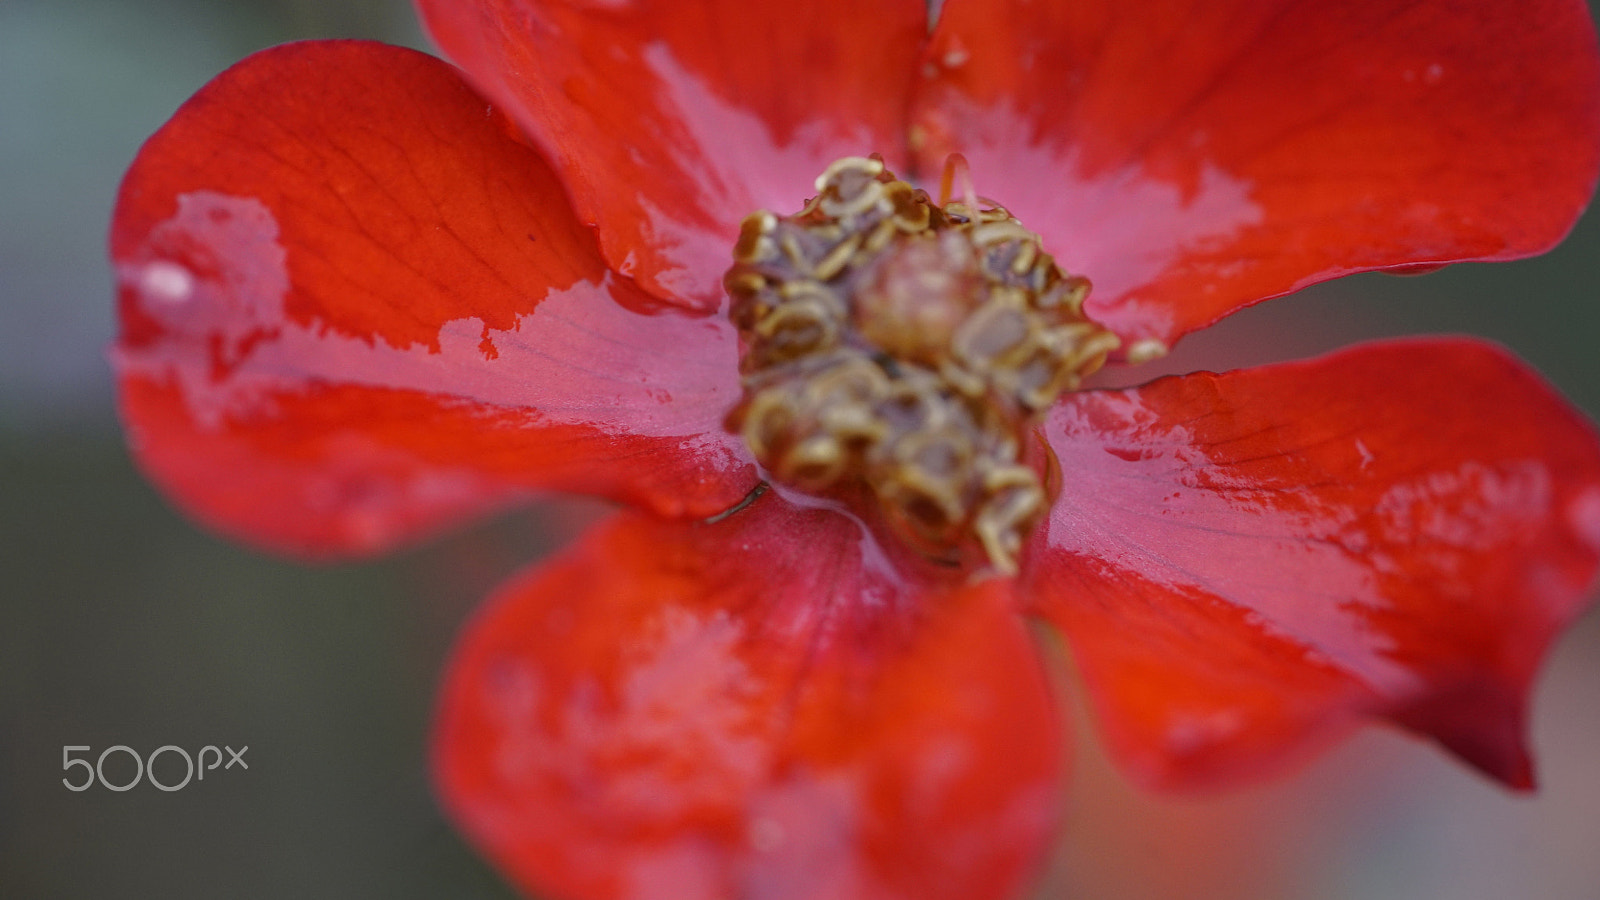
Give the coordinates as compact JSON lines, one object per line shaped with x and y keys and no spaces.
{"x":1193,"y":158}
{"x":354,"y":308}
{"x":757,"y":708}
{"x":671,"y":120}
{"x":1245,"y":563}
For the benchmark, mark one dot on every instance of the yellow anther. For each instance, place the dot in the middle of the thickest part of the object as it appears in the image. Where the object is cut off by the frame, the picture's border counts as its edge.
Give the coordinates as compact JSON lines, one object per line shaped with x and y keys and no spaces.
{"x":908,"y":347}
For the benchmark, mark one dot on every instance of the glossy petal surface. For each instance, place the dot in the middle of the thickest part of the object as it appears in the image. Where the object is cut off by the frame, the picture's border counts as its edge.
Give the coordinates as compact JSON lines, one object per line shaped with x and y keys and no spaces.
{"x":759,"y":708}
{"x":1246,"y":563}
{"x":354,"y":309}
{"x":671,"y":120}
{"x":1192,"y":158}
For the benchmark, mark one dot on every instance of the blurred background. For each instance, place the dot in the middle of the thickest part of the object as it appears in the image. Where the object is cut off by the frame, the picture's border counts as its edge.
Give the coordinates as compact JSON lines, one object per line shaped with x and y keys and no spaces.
{"x":122,"y":624}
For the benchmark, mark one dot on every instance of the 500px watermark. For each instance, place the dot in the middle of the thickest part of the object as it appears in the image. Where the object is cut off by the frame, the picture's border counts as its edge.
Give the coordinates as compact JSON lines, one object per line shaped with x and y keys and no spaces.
{"x":145,"y":767}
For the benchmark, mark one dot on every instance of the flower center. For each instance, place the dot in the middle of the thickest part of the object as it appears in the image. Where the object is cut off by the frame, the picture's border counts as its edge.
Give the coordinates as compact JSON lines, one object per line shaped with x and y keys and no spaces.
{"x":909,"y":347}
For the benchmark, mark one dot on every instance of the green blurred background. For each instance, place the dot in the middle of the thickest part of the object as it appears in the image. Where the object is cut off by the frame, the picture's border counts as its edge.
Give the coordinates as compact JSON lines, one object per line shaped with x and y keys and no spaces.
{"x":123,"y":624}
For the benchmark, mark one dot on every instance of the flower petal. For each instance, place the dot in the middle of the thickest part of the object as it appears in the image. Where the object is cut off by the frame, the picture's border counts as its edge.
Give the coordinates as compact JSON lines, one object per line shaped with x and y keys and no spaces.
{"x":671,"y":120}
{"x":1194,"y":158}
{"x":1246,"y":563}
{"x":354,"y":309}
{"x":758,"y":708}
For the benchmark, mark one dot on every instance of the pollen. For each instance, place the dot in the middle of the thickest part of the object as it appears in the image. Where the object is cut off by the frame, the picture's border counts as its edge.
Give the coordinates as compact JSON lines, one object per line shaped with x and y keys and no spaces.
{"x":909,"y":347}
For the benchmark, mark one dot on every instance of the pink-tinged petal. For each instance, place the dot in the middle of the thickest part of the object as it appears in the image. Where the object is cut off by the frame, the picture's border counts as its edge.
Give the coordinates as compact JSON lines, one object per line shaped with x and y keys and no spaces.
{"x":1192,"y":158}
{"x":354,"y":309}
{"x":758,"y":708}
{"x":1245,"y":564}
{"x":671,"y":120}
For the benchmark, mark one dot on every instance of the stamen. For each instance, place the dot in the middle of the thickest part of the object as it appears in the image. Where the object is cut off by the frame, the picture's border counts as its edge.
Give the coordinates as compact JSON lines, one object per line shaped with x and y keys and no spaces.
{"x":754,"y":495}
{"x":910,"y":347}
{"x":957,"y":170}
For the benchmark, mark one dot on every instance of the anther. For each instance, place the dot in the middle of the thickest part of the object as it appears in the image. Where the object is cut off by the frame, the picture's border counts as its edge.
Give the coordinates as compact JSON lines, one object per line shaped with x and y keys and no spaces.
{"x":909,"y":347}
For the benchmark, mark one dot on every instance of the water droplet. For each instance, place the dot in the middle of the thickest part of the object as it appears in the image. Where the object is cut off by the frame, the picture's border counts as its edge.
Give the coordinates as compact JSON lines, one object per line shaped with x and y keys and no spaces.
{"x":1146,"y":349}
{"x":165,"y":283}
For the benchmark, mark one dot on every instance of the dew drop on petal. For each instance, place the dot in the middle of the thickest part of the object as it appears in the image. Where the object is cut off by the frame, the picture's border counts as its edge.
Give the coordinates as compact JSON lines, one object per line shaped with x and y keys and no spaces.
{"x":164,"y":282}
{"x":1146,"y":350}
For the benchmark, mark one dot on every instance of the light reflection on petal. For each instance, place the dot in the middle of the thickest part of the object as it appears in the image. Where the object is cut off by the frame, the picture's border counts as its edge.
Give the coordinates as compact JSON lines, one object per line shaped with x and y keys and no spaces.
{"x":1400,"y":529}
{"x":720,"y":705}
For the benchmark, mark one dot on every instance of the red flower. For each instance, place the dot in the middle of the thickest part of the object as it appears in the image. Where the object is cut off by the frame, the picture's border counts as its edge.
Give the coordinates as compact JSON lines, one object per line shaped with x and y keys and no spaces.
{"x":362,"y":300}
